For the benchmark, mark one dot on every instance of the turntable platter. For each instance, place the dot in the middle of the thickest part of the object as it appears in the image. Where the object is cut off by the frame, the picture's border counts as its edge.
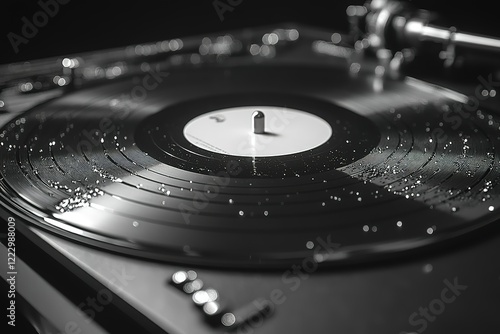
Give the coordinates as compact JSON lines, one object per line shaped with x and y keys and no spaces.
{"x":112,"y":166}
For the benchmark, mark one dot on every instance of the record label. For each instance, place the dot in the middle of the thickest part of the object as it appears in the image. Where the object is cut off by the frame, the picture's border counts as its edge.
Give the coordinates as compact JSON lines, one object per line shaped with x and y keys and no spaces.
{"x":231,"y":131}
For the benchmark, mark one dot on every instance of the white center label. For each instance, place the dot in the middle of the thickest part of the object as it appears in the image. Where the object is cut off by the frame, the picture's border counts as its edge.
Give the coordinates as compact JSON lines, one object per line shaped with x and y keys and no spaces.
{"x":231,"y":131}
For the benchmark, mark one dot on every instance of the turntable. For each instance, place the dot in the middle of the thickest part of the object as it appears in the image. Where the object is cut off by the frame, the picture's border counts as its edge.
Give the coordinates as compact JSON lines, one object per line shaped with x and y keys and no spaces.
{"x":282,"y":179}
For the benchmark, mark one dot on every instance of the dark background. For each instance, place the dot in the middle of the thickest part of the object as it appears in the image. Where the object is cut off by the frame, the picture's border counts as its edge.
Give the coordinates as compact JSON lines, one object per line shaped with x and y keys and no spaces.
{"x":91,"y":25}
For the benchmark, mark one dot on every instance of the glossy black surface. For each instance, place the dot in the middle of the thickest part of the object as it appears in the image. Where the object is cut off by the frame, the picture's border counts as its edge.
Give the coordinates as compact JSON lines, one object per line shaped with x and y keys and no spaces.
{"x":399,"y":173}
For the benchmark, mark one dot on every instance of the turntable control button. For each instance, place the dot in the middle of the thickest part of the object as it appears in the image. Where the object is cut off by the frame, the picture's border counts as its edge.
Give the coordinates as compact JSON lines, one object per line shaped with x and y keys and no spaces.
{"x":216,"y":312}
{"x":186,"y":280}
{"x":258,"y":120}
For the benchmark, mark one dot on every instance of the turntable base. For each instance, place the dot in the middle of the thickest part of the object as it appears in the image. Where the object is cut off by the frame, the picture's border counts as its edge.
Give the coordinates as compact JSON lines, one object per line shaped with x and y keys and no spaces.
{"x":241,"y":184}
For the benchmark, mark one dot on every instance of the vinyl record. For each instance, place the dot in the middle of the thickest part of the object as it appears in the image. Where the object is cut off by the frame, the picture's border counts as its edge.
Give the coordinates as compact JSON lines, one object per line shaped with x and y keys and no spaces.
{"x":131,"y":166}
